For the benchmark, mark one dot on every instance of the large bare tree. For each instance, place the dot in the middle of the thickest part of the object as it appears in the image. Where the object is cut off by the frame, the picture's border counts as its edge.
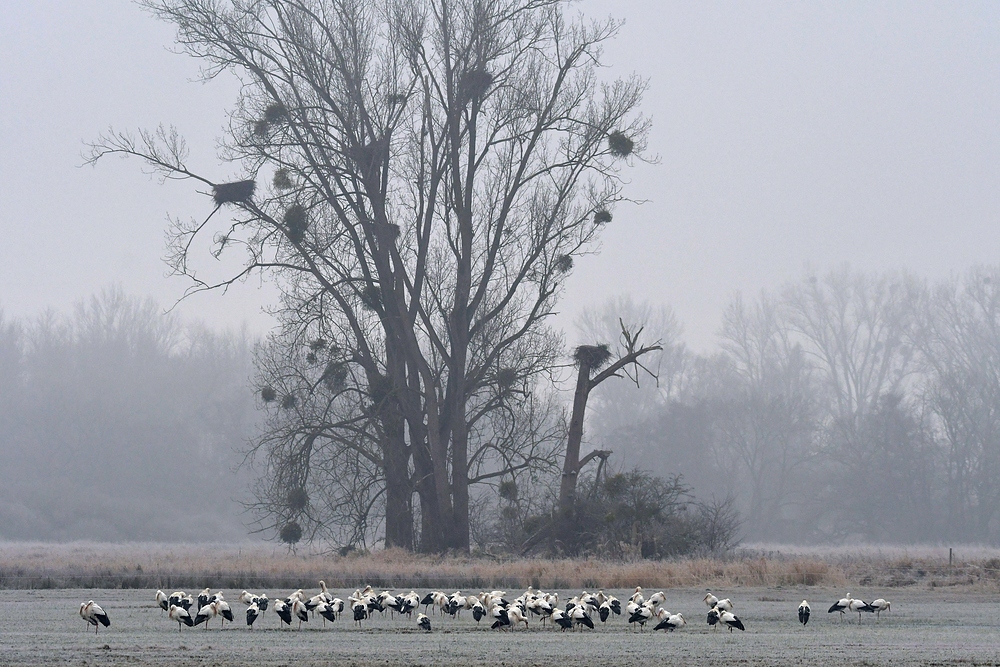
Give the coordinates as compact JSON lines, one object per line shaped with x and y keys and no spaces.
{"x":434,"y":168}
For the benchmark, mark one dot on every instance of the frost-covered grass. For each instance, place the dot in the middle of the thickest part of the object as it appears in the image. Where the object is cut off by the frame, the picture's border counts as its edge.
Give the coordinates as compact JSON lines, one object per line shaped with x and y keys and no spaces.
{"x":924,"y":627}
{"x":263,"y":565}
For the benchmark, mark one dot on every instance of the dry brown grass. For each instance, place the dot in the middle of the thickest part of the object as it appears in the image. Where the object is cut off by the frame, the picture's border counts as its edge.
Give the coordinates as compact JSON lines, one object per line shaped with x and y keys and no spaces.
{"x":90,"y":565}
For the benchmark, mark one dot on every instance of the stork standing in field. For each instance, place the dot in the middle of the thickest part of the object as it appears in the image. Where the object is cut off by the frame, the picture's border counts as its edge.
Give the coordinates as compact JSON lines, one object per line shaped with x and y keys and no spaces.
{"x":879,"y":606}
{"x":206,"y":613}
{"x":671,"y":622}
{"x":224,"y":610}
{"x":253,"y":611}
{"x":300,"y":612}
{"x":840,"y":605}
{"x":162,"y":601}
{"x":325,"y":610}
{"x":725,"y":604}
{"x":729,"y":618}
{"x":181,"y":615}
{"x":710,"y":600}
{"x":560,"y":618}
{"x":581,"y":617}
{"x":713,"y":618}
{"x":283,"y":611}
{"x":860,"y":606}
{"x":423,"y":622}
{"x":478,"y":611}
{"x":93,"y":614}
{"x":204,"y":598}
{"x":360,"y":610}
{"x":804,"y":612}
{"x":642,"y":614}
{"x":656,"y":598}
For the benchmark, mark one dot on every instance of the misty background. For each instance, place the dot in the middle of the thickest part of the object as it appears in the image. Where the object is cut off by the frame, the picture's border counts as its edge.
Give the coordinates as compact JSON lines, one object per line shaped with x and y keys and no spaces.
{"x":814,"y":252}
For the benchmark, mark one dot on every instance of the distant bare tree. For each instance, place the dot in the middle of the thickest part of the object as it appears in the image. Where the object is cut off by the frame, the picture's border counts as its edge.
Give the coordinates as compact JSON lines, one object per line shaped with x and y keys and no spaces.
{"x":126,"y":407}
{"x":960,"y":346}
{"x":767,"y":415}
{"x":856,"y":332}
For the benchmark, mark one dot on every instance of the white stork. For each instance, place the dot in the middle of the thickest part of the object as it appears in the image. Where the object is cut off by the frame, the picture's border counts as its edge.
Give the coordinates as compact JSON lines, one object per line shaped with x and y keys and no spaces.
{"x":253,"y":611}
{"x":671,"y":622}
{"x":641,"y":615}
{"x":94,"y":615}
{"x":879,"y":606}
{"x":516,"y":616}
{"x":840,"y":605}
{"x":581,"y":617}
{"x":284,"y":612}
{"x":729,"y":618}
{"x":560,"y":618}
{"x":181,"y":615}
{"x":206,"y":613}
{"x":804,"y":610}
{"x":859,"y":606}
{"x":300,"y":612}
{"x":423,"y":622}
{"x":224,"y":610}
{"x":162,"y":601}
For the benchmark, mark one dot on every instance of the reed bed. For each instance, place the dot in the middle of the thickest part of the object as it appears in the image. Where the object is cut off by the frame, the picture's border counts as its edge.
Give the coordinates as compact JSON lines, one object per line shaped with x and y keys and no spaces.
{"x":265,"y":566}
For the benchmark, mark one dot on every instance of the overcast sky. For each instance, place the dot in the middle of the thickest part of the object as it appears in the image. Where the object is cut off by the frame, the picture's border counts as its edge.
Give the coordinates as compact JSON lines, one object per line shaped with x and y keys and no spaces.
{"x":789,"y":134}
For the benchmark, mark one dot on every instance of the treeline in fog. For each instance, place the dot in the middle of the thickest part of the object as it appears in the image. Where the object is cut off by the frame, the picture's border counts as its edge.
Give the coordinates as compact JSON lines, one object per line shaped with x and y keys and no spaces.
{"x":844,"y":405}
{"x":119,"y":423}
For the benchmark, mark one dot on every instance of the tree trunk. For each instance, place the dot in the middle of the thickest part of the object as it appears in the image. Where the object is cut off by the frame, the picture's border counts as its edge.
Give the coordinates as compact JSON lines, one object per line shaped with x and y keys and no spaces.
{"x":398,"y":494}
{"x":571,"y":464}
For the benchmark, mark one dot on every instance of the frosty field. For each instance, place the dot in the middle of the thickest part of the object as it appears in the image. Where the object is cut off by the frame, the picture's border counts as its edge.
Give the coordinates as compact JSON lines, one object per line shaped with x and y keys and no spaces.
{"x":925,"y":627}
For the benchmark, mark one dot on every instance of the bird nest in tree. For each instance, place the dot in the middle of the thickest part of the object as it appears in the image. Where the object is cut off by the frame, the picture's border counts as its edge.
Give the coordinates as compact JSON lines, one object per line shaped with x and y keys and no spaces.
{"x":289,"y":402}
{"x":282,"y":180}
{"x":311,"y":358}
{"x":476,"y":82}
{"x":317,"y":345}
{"x":592,"y":356}
{"x":296,"y":222}
{"x":334,"y":376}
{"x":506,"y":377}
{"x":564,"y":263}
{"x":508,"y":490}
{"x":396,"y":99}
{"x":297,"y":499}
{"x":290,"y":533}
{"x":602,"y":217}
{"x":239,"y":192}
{"x":620,"y":145}
{"x":275,"y":113}
{"x":267,"y":394}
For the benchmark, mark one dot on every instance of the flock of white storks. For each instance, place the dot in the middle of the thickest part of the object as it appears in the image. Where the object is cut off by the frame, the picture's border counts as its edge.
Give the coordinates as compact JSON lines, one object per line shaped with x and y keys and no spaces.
{"x":495,"y":607}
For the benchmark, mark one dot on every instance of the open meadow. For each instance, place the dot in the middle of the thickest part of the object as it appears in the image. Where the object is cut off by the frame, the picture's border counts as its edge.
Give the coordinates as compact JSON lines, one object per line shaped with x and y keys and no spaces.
{"x":924,"y":627}
{"x":942,"y":614}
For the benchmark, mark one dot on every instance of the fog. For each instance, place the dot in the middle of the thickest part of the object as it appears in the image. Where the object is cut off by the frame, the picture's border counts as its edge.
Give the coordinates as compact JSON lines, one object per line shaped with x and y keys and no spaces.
{"x":794,"y":141}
